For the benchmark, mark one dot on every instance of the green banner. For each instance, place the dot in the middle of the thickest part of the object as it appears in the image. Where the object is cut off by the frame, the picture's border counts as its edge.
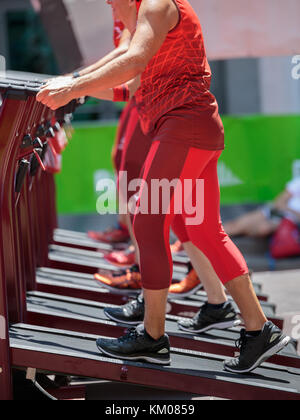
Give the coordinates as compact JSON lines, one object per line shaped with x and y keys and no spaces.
{"x":88,"y":152}
{"x":262,"y":154}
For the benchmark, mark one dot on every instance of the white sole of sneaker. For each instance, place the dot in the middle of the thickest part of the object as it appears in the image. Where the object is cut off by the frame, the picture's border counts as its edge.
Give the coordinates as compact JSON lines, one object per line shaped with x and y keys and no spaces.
{"x":122,"y":322}
{"x":174,"y":296}
{"x":274,"y":350}
{"x":219,"y":326}
{"x":135,"y":358}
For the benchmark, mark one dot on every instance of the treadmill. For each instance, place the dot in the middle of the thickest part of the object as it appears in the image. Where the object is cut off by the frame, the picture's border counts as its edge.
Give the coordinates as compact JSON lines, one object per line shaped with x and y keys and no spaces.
{"x":59,"y":350}
{"x":80,"y":240}
{"x":88,"y":316}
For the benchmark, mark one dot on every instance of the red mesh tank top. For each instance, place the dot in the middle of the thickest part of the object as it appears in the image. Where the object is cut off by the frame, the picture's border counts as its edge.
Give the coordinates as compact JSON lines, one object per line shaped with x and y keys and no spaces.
{"x":178,"y":76}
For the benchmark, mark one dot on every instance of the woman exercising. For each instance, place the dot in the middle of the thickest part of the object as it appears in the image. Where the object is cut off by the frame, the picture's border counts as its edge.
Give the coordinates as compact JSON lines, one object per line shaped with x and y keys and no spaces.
{"x":166,"y":60}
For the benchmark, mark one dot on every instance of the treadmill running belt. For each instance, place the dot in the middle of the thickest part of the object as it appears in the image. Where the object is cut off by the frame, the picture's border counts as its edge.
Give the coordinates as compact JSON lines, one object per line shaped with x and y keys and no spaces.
{"x":93,"y":312}
{"x":77,"y":354}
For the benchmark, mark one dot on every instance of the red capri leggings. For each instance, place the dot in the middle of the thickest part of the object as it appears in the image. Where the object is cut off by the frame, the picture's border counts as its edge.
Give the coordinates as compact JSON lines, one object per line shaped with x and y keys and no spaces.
{"x":117,"y":151}
{"x":136,"y":147}
{"x":176,"y":161}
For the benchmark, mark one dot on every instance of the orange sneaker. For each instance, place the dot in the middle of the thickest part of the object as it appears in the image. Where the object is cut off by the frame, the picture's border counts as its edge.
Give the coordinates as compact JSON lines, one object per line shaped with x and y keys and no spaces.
{"x":187,"y":287}
{"x":177,"y":247}
{"x":124,"y":282}
{"x":112,"y":235}
{"x":121,"y":258}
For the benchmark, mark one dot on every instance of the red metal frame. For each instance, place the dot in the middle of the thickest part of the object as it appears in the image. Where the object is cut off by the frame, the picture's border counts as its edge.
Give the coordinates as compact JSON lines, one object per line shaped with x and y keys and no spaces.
{"x":72,"y":392}
{"x":142,"y":375}
{"x":11,"y":123}
{"x":19,"y":116}
{"x":11,"y":296}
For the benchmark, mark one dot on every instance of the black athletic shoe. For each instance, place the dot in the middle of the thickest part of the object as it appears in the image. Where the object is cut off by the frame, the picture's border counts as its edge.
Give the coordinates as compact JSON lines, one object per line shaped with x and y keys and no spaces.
{"x":131,"y":314}
{"x":255,"y":350}
{"x":137,"y":345}
{"x":208,"y":318}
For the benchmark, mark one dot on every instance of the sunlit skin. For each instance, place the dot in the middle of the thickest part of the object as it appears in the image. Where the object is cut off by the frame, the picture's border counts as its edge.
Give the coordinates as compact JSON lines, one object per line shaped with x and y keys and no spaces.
{"x":156,"y":18}
{"x":60,"y":91}
{"x":256,"y":224}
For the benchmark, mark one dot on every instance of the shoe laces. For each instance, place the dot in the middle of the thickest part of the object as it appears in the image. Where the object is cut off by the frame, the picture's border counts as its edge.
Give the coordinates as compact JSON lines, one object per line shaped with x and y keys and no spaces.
{"x":242,"y":341}
{"x":135,"y":303}
{"x":131,"y":334}
{"x":200,"y":313}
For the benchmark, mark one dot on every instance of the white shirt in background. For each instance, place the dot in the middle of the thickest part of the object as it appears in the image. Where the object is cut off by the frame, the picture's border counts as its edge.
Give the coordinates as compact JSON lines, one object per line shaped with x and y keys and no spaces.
{"x":293,"y":188}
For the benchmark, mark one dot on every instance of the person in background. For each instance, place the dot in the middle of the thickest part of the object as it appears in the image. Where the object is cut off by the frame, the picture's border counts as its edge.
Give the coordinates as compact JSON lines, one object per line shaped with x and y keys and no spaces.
{"x":265,"y":220}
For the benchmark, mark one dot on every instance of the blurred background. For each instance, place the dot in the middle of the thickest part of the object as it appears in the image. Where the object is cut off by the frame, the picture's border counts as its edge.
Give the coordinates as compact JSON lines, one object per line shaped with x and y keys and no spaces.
{"x":254,"y":53}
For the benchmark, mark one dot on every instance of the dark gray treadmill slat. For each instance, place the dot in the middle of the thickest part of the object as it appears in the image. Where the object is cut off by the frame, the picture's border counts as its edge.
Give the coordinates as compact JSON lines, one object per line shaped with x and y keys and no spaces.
{"x":26,"y":76}
{"x":54,"y":249}
{"x":63,"y":308}
{"x":81,"y":239}
{"x":81,"y":260}
{"x":94,"y":311}
{"x":70,"y":233}
{"x":78,"y":279}
{"x":198,"y":301}
{"x":85,"y":285}
{"x":82,"y":242}
{"x":181,"y":259}
{"x":90,"y":284}
{"x":66,"y":255}
{"x":37,"y":302}
{"x":73,"y":277}
{"x":74,"y":280}
{"x":183,"y":362}
{"x":269,"y":308}
{"x":55,"y":274}
{"x":76,"y":252}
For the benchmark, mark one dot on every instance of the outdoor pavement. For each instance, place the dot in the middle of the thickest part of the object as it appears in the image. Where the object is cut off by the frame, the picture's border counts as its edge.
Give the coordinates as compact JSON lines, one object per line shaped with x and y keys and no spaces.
{"x":283,"y":288}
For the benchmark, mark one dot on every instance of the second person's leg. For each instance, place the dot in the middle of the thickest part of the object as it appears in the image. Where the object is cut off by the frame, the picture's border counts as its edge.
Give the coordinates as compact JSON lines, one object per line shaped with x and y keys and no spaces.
{"x":152,"y":228}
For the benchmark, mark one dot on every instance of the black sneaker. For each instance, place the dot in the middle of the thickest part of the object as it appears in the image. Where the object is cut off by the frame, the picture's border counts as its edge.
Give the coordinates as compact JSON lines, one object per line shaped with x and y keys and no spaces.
{"x":137,"y":345}
{"x":255,"y":350}
{"x":132,"y":313}
{"x":208,"y":318}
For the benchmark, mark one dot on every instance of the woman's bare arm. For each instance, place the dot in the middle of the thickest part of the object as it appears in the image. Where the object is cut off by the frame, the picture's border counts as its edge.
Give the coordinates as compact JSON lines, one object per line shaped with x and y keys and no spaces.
{"x":156,"y":19}
{"x":108,"y":94}
{"x":117,"y":52}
